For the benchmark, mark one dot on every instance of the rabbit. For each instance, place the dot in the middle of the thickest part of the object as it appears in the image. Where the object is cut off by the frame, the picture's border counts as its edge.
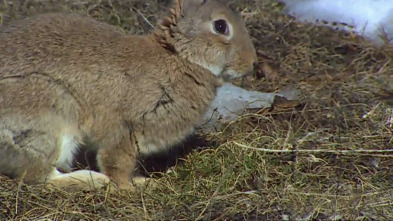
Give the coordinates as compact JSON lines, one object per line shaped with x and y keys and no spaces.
{"x":67,"y":80}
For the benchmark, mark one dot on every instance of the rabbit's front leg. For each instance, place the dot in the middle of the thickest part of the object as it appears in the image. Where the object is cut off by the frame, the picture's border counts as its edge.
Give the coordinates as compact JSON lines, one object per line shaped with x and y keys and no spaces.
{"x":118,"y":161}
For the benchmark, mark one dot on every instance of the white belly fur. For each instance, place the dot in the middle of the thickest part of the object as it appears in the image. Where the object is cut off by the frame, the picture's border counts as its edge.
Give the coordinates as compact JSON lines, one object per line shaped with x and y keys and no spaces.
{"x":68,"y":149}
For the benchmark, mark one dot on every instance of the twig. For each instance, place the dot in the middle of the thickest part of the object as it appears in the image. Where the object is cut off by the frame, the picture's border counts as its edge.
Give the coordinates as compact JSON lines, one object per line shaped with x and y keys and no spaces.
{"x":18,"y":190}
{"x":360,"y":151}
{"x":144,"y":206}
{"x":144,"y":18}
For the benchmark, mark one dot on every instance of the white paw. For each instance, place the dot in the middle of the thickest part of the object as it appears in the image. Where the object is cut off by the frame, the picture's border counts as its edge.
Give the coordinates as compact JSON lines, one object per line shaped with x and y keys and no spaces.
{"x":78,"y":179}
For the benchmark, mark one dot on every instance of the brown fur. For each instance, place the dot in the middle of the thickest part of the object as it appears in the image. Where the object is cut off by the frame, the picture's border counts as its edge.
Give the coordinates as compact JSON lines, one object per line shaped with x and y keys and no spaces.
{"x":71,"y":76}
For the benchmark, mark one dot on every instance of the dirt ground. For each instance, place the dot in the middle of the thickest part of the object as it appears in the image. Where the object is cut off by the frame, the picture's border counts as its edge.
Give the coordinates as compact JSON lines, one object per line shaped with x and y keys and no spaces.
{"x":326,"y":156}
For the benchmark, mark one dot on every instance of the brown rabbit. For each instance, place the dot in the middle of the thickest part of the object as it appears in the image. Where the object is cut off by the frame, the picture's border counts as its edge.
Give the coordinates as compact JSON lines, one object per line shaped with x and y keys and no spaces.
{"x":68,"y":79}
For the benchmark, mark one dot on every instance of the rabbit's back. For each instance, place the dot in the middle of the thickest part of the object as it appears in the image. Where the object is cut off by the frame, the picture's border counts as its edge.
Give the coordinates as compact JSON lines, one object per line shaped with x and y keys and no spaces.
{"x":50,"y":37}
{"x":86,"y":57}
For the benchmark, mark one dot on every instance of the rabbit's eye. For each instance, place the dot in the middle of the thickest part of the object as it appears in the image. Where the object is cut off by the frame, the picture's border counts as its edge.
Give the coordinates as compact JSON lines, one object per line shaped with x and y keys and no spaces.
{"x":221,"y":27}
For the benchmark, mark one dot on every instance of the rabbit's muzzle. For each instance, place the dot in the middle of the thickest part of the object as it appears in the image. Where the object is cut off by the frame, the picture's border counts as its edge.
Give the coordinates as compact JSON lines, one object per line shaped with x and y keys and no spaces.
{"x":242,"y":66}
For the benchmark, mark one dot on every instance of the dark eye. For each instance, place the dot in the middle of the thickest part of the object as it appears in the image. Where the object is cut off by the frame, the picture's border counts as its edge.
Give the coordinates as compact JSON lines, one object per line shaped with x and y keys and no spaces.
{"x":221,"y":27}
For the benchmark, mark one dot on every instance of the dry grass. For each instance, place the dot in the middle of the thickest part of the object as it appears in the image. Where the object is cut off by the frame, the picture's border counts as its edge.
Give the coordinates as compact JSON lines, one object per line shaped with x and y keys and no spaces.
{"x":340,"y":132}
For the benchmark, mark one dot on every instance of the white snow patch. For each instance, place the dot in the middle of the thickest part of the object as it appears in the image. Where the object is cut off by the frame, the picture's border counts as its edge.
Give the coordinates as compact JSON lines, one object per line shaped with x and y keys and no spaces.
{"x":371,"y":18}
{"x":231,"y":102}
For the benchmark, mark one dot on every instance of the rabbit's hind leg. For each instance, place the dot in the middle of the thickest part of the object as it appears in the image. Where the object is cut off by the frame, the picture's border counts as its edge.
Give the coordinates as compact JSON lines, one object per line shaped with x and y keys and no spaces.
{"x":32,"y":150}
{"x":26,"y":153}
{"x":80,"y":179}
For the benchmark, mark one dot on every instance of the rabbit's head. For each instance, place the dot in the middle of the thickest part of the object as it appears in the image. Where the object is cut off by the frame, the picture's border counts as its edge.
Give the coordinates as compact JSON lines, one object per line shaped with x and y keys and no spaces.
{"x":209,"y":34}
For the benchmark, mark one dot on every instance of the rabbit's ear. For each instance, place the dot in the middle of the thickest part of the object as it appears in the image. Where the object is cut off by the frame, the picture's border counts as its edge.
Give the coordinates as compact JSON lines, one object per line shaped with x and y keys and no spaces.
{"x":183,"y":5}
{"x":176,"y":12}
{"x":166,"y":24}
{"x":178,"y":9}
